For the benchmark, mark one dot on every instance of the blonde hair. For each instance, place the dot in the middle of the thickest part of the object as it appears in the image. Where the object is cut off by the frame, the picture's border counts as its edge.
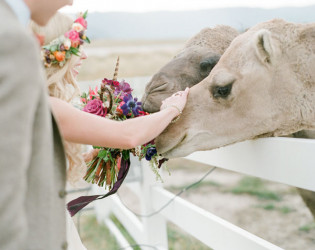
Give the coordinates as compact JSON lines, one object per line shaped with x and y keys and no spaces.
{"x":62,"y":84}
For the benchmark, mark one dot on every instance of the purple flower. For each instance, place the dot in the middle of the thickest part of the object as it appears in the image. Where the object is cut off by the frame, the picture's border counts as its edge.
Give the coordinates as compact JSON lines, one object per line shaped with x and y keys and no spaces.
{"x":125,"y":87}
{"x":131,"y":104}
{"x":150,"y":152}
{"x":95,"y":107}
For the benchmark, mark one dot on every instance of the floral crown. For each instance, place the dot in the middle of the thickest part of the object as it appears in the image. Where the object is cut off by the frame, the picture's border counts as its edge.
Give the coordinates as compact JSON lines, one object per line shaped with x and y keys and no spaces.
{"x":58,"y":51}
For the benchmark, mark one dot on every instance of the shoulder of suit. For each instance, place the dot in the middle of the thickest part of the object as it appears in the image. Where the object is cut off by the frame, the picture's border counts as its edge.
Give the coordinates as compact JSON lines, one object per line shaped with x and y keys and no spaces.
{"x":12,"y":31}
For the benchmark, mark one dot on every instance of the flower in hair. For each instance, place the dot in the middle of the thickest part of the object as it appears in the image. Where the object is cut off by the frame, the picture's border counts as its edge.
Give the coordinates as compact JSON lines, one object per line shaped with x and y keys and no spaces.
{"x":58,"y":51}
{"x":74,"y":38}
{"x":82,"y":21}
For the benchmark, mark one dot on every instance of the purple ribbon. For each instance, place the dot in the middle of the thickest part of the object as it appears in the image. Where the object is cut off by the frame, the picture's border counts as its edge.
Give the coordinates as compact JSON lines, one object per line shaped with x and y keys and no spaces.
{"x":77,"y":204}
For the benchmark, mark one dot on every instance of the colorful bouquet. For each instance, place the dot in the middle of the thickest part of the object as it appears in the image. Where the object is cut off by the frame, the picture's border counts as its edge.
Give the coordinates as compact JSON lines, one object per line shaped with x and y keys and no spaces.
{"x":114,"y":100}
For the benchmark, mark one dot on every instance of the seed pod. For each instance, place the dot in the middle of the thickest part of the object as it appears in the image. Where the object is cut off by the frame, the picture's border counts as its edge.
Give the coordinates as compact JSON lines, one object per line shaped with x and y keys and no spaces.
{"x":98,"y":171}
{"x":108,"y":173}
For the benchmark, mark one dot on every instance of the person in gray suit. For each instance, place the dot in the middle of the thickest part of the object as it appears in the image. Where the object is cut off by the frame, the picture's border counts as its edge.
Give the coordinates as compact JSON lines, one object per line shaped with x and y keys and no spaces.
{"x":32,"y":160}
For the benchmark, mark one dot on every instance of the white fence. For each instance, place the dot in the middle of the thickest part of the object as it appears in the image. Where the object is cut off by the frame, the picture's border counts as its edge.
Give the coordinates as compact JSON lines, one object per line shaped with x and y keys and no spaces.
{"x":285,"y":160}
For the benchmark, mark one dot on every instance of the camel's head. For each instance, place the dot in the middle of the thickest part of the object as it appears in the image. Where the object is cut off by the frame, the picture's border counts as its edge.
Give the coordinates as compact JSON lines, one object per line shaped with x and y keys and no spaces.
{"x":189,"y":67}
{"x":251,"y":92}
{"x":185,"y":70}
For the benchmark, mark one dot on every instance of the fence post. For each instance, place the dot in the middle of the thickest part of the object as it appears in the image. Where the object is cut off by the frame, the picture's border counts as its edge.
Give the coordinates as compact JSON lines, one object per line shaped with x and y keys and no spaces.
{"x":154,"y":227}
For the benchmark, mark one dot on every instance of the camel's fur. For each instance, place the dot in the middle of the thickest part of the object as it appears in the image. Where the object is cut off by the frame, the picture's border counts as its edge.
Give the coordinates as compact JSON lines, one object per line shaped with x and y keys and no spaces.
{"x":272,"y":70}
{"x":207,"y":38}
{"x":184,"y":69}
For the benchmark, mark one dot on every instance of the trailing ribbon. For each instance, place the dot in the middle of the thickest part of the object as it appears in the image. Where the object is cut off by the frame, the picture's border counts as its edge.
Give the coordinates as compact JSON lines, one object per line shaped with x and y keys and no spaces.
{"x":77,"y":204}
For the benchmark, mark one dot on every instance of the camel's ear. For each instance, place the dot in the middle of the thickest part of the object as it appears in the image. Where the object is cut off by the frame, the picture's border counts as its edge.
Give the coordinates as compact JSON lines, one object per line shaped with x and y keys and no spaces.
{"x":263,"y":46}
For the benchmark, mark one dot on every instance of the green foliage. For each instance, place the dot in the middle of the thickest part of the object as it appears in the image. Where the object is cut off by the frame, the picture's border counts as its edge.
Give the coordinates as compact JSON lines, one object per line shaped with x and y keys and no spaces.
{"x":272,"y":206}
{"x":269,"y":206}
{"x":178,"y":239}
{"x":54,"y":48}
{"x":285,"y":210}
{"x":75,"y":51}
{"x":125,"y":154}
{"x":255,"y":186}
{"x":197,"y":186}
{"x":95,"y":236}
{"x":85,"y":14}
{"x":125,"y":233}
{"x":308,"y":227}
{"x":68,"y":55}
{"x":87,"y":40}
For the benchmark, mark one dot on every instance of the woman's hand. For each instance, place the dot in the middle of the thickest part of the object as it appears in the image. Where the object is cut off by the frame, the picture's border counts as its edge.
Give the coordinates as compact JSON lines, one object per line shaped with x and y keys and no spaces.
{"x":89,"y":156}
{"x":177,"y":100}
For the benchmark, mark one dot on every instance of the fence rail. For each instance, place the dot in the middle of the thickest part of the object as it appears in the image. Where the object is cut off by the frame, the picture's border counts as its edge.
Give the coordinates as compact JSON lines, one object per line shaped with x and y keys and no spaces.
{"x":285,"y":160}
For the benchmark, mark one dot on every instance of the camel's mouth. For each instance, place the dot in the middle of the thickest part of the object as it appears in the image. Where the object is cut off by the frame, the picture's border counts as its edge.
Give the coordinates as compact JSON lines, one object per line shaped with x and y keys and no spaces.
{"x":168,"y":151}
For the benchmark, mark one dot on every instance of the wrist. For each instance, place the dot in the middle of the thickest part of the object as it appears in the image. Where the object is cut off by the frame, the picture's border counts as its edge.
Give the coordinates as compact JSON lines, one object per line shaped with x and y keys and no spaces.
{"x":177,"y":111}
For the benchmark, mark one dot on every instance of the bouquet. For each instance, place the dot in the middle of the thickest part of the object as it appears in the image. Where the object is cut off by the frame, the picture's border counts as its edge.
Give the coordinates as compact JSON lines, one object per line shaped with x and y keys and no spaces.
{"x":114,"y":100}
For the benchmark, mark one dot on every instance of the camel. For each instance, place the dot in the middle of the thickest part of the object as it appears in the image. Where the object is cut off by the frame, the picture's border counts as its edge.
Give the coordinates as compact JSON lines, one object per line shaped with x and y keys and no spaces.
{"x":191,"y":65}
{"x":263,"y":85}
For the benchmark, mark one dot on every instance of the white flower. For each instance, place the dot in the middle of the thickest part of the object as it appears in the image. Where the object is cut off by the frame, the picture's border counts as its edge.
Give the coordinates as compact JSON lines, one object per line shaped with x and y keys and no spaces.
{"x":67,"y":44}
{"x":62,"y":39}
{"x":106,"y":104}
{"x":55,"y":42}
{"x":77,"y":27}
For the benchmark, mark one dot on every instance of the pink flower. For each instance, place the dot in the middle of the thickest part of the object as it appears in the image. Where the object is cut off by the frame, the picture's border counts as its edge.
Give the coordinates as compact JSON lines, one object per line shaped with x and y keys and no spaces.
{"x":93,"y":92}
{"x":73,"y":36}
{"x":95,"y":107}
{"x":118,"y":109}
{"x":81,"y":21}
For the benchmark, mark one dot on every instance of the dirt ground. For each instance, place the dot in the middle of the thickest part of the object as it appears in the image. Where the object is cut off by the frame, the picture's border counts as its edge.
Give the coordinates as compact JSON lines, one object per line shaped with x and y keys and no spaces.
{"x":285,"y":222}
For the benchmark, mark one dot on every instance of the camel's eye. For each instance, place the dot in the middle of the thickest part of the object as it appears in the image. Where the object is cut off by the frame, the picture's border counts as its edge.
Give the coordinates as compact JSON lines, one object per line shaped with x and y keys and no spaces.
{"x":222,"y":91}
{"x":207,"y":65}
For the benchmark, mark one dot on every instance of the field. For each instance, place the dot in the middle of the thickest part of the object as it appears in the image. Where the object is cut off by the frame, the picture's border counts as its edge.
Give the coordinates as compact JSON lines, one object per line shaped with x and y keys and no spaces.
{"x":274,"y":212}
{"x":137,"y":58}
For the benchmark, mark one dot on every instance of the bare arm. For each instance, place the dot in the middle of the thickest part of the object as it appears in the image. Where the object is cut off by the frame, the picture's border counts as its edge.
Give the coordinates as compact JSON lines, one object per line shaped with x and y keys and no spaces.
{"x":81,"y":127}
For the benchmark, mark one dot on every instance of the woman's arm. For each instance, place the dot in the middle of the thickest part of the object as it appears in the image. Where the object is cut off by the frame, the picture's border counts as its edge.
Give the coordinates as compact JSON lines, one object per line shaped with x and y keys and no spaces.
{"x":81,"y":127}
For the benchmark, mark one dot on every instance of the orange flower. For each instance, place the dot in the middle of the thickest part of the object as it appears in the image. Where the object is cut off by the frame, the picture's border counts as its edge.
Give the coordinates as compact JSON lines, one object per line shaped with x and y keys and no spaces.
{"x":60,"y":55}
{"x":75,"y":44}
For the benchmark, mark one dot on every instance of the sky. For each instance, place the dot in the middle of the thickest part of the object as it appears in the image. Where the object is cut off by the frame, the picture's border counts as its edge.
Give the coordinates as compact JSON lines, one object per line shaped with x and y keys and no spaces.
{"x":175,"y":5}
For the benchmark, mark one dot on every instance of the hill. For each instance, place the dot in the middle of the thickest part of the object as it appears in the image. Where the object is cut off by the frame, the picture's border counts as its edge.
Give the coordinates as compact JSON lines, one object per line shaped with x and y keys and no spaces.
{"x":184,"y":24}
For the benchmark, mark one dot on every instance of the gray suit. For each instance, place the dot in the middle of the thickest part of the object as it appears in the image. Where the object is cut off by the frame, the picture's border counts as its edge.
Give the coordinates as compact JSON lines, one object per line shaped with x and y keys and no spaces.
{"x":32,"y":160}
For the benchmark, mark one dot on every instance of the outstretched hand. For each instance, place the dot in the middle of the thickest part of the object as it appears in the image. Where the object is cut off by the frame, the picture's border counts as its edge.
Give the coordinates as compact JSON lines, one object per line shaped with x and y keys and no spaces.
{"x":178,"y":100}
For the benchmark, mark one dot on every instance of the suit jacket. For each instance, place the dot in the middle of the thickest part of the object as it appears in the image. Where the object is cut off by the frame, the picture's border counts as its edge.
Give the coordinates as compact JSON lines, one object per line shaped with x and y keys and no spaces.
{"x":32,"y":159}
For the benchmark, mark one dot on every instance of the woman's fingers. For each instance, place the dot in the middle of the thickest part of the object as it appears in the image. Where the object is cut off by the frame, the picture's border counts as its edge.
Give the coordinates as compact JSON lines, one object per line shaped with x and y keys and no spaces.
{"x":178,"y":99}
{"x":89,"y":156}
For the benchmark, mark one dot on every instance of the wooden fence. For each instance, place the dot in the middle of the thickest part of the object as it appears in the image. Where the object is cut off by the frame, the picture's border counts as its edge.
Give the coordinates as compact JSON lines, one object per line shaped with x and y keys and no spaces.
{"x":284,"y":160}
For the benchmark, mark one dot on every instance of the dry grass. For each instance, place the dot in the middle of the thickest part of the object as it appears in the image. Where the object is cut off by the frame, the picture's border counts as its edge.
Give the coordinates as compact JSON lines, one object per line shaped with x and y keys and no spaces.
{"x":113,"y":43}
{"x":137,"y":58}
